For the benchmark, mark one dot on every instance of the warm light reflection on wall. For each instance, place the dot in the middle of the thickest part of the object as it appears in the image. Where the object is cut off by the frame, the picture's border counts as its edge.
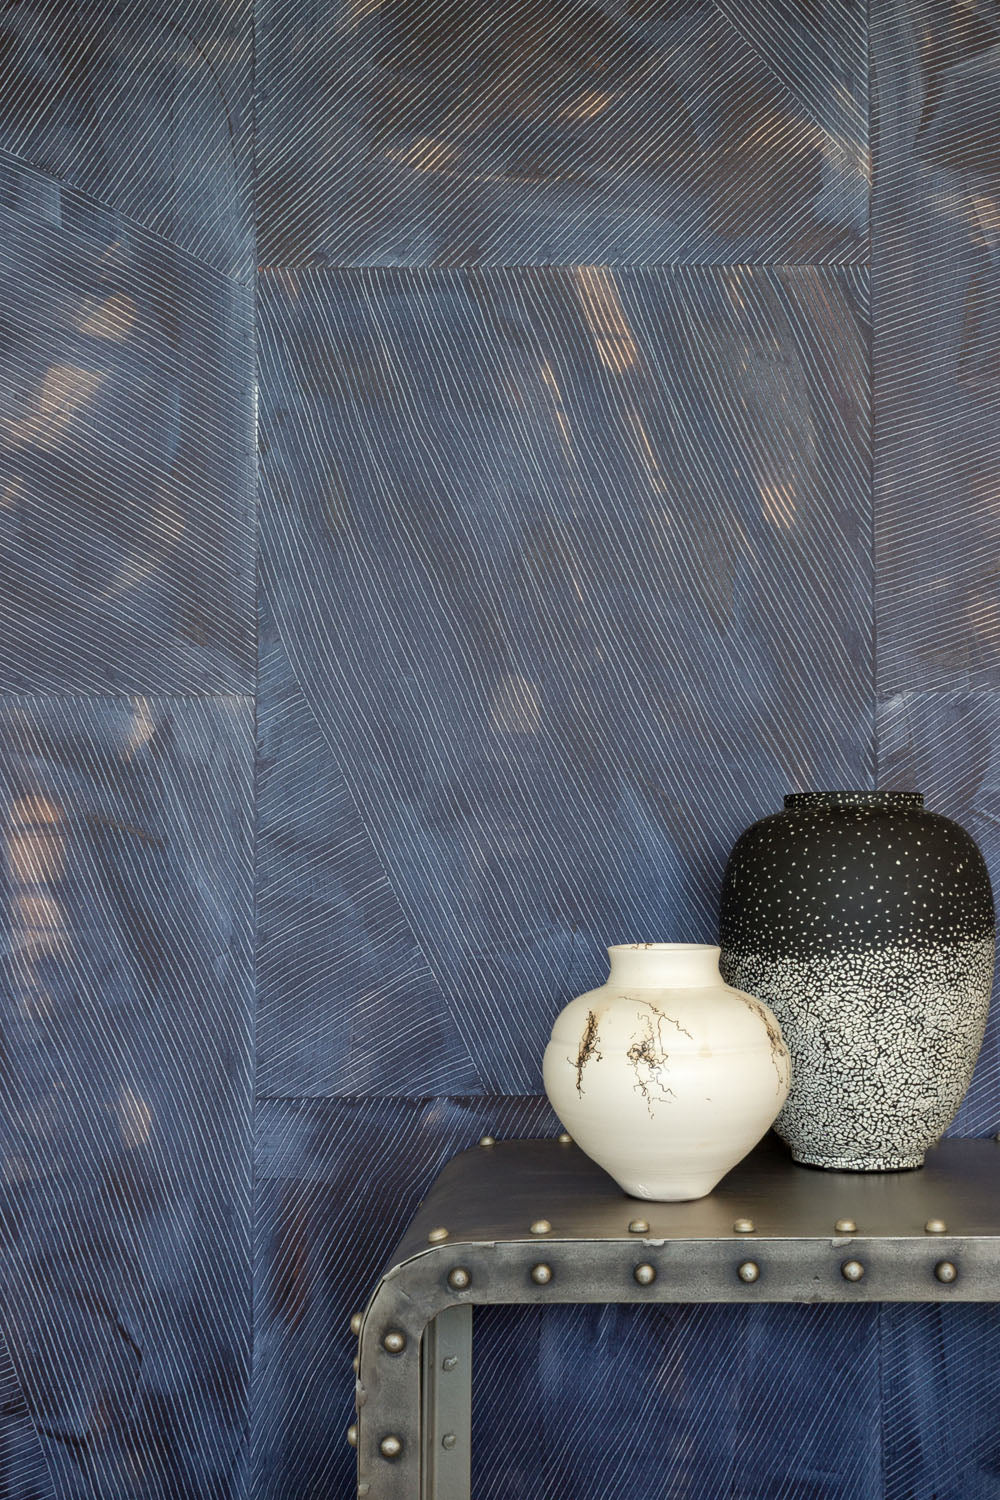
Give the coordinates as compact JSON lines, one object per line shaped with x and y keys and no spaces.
{"x":605,"y":317}
{"x":778,"y":504}
{"x":35,"y":861}
{"x":64,"y":390}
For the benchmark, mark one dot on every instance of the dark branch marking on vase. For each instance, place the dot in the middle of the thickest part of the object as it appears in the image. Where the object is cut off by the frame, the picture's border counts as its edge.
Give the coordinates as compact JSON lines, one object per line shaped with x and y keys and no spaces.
{"x":662,"y":1013}
{"x":588,"y":1050}
{"x":648,"y":1054}
{"x":779,"y":1052}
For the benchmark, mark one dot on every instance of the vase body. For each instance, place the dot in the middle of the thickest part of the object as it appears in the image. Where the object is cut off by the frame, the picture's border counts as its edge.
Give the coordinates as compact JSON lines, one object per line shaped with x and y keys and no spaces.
{"x":866,"y":923}
{"x":666,"y":1076}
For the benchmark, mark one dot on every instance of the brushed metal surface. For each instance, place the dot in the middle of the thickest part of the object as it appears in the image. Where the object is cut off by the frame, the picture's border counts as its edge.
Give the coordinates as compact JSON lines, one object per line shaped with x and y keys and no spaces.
{"x":492,"y":1196}
{"x":692,"y":1254}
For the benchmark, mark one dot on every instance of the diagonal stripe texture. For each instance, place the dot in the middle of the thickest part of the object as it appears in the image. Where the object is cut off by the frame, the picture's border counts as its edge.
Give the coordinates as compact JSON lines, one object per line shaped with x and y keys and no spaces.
{"x":534,"y":543}
{"x":676,"y":1395}
{"x":125,"y":1084}
{"x":24,"y":1474}
{"x":940,"y":1387}
{"x":936,"y":278}
{"x":947,"y":745}
{"x":346,"y":1000}
{"x":126,"y":462}
{"x":337,"y":1181}
{"x":144,"y":105}
{"x":547,"y":132}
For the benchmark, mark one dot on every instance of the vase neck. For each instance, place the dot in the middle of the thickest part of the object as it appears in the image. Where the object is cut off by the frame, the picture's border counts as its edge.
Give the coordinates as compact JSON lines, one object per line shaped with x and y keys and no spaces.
{"x":664,"y":966}
{"x":795,"y":800}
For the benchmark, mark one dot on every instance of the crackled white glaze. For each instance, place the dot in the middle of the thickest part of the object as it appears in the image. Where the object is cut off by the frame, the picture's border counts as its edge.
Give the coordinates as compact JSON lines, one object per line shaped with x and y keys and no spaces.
{"x":666,"y":1076}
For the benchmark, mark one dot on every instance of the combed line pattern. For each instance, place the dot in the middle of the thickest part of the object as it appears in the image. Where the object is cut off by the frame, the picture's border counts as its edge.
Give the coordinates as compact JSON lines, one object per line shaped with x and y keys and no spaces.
{"x":337,"y":1182}
{"x":125,"y":1089}
{"x":936,"y":291}
{"x":947,"y":745}
{"x":675,"y":1394}
{"x":24,"y":1474}
{"x":561,"y":132}
{"x":126,"y":455}
{"x":346,"y":1002}
{"x":146,"y":105}
{"x":940,"y":1389}
{"x":573,"y":570}
{"x":936,"y":284}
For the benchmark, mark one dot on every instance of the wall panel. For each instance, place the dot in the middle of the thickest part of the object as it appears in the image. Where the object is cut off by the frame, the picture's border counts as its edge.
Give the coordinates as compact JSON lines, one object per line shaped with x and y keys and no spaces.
{"x":936,"y":396}
{"x":145,"y":106}
{"x":125,"y":1079}
{"x":539,"y":132}
{"x":572,"y":569}
{"x":126,"y":454}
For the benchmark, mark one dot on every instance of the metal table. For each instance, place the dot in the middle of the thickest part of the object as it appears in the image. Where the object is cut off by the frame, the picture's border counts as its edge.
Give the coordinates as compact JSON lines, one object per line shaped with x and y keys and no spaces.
{"x":536,"y":1222}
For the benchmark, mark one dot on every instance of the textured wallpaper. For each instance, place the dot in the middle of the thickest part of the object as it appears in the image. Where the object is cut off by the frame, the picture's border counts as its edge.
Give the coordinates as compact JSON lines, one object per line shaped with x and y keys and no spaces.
{"x":459,"y":465}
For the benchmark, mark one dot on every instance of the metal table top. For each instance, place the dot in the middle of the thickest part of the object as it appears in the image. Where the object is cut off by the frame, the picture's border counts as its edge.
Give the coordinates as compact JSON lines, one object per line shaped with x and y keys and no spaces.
{"x":494,"y":1194}
{"x":537,"y":1222}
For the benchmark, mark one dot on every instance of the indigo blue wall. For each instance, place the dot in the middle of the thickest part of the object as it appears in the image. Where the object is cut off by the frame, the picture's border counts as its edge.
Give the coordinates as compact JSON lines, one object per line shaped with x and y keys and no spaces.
{"x":626,"y":379}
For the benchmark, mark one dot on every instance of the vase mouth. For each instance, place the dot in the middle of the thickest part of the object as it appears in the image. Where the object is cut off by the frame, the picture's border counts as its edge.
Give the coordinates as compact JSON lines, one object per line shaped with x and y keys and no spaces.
{"x":691,"y":948}
{"x":854,"y":799}
{"x":665,"y":965}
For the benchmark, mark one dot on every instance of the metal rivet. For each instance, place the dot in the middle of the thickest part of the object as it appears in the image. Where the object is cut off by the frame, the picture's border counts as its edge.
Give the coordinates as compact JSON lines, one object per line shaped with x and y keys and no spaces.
{"x":356,"y":1320}
{"x":743,"y":1226}
{"x":394,"y":1341}
{"x":352,"y":1435}
{"x":459,"y":1278}
{"x":541,"y":1226}
{"x":945,"y":1270}
{"x":360,"y":1396}
{"x":749,"y":1271}
{"x":565,"y":1139}
{"x":541,"y":1275}
{"x":852,"y":1270}
{"x":390,"y":1447}
{"x":363,"y":1488}
{"x":645,"y":1274}
{"x":846,"y":1226}
{"x":356,"y":1364}
{"x":436,"y":1236}
{"x":639,"y":1226}
{"x":935,"y":1226}
{"x":450,"y":1362}
{"x":487,"y":1140}
{"x":449,"y":1440}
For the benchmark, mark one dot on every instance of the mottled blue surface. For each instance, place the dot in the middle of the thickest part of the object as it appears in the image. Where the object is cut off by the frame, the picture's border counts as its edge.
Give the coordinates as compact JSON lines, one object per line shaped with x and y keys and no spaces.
{"x":624,"y":462}
{"x":333,"y":1174}
{"x":145,"y":106}
{"x":336,"y":955}
{"x":936,"y":282}
{"x":540,"y":132}
{"x":126,"y":454}
{"x":533,"y":542}
{"x":682,"y":1400}
{"x":125,"y":1078}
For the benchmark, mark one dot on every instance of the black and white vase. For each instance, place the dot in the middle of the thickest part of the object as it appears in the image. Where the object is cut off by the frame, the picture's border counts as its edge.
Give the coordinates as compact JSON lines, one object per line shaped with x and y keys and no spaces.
{"x":866,"y":923}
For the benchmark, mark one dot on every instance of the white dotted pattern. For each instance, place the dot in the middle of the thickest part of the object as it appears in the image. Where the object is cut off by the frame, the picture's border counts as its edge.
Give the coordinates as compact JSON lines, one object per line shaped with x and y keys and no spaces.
{"x":883,"y":1045}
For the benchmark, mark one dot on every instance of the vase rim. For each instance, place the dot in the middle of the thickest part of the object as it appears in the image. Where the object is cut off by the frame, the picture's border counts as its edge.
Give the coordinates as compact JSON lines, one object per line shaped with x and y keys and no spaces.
{"x":859,"y":798}
{"x":664,"y":948}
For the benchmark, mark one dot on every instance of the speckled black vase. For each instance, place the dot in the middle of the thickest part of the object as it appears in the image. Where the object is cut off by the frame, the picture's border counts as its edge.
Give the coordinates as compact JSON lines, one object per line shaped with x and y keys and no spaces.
{"x":866,"y":923}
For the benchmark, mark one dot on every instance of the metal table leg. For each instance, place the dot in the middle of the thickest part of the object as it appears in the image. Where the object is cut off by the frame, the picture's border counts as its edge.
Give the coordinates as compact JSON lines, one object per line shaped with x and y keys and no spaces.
{"x":446,"y":1406}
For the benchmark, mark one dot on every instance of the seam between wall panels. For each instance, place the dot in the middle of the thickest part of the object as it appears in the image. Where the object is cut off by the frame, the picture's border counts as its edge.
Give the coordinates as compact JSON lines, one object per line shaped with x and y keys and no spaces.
{"x":873,"y":428}
{"x":308,"y":268}
{"x":248,"y":1462}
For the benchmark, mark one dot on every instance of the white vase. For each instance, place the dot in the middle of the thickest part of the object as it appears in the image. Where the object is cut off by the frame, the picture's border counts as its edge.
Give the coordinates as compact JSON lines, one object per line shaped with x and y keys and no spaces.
{"x":665,"y":1076}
